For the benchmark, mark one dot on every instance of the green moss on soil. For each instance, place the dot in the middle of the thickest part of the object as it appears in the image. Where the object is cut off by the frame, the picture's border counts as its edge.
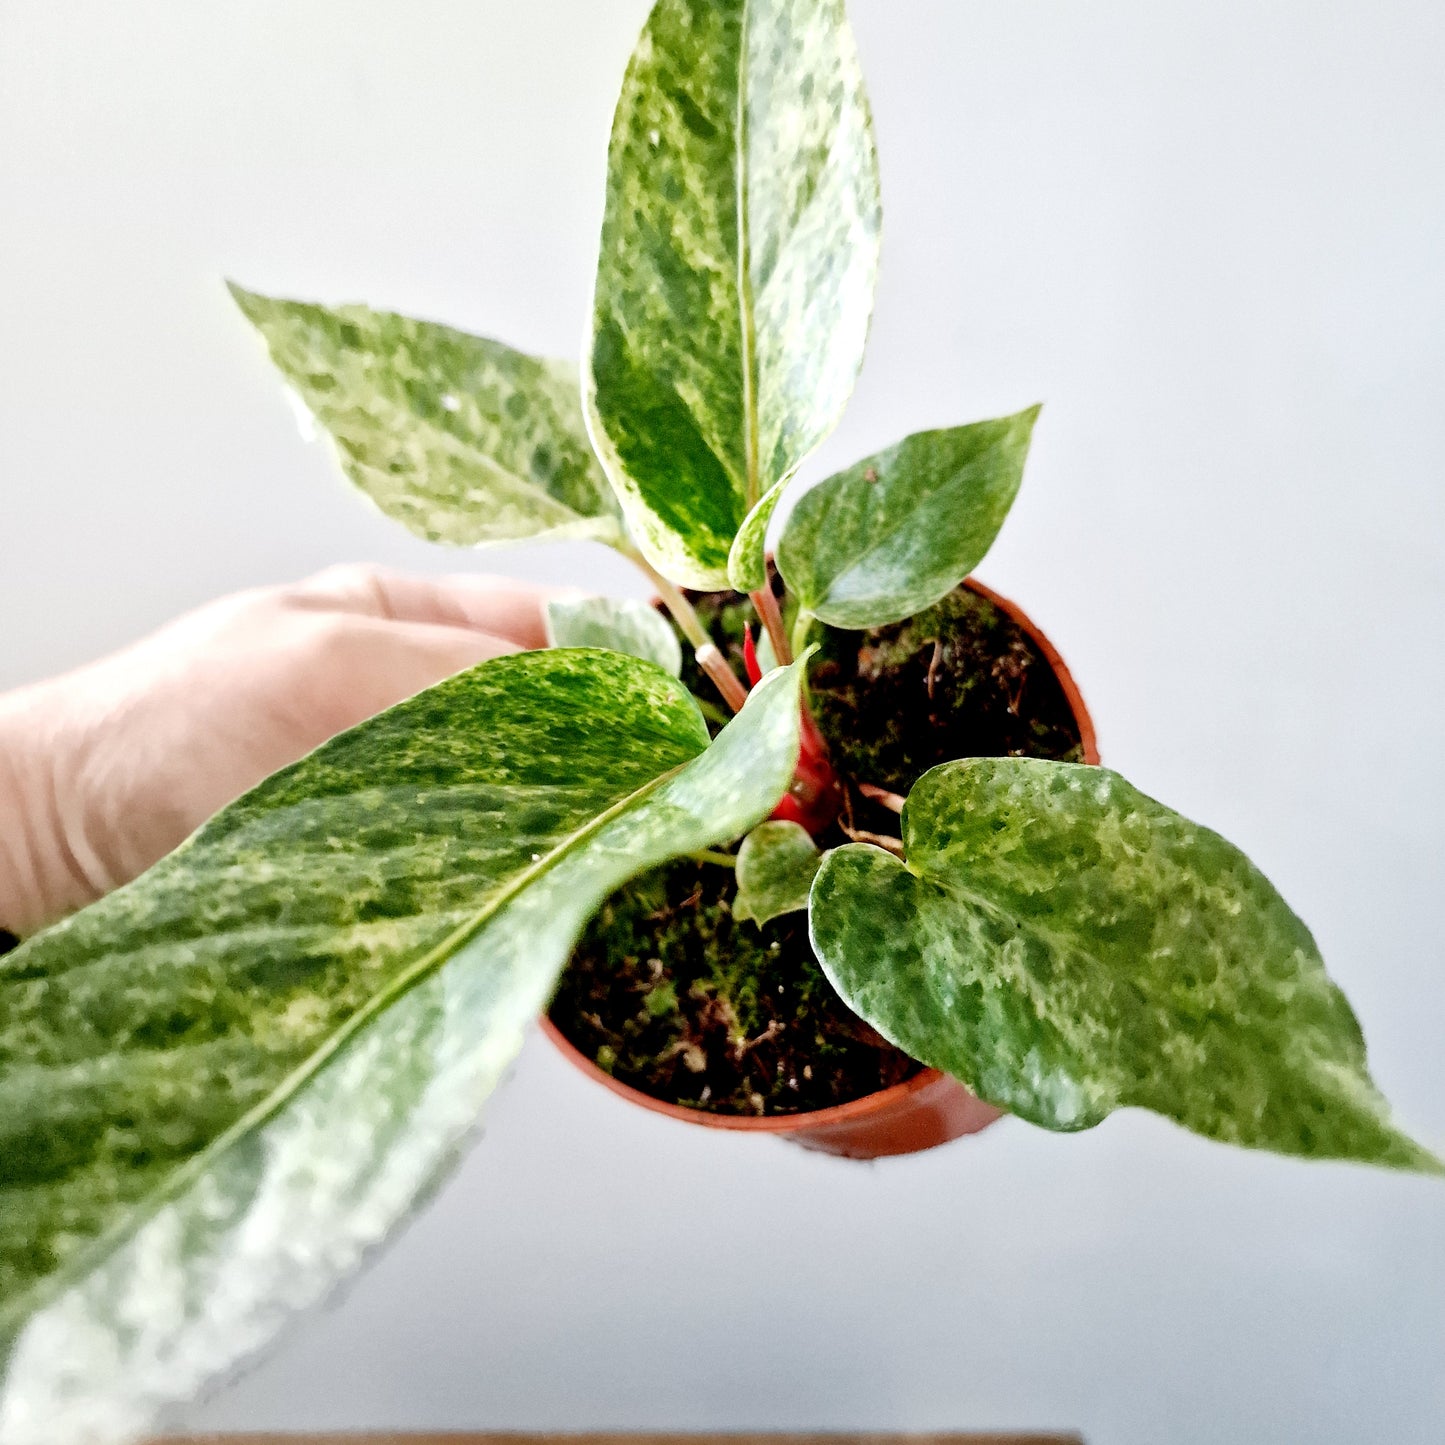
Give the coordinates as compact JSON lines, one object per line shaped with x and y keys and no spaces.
{"x":671,"y":994}
{"x":961,"y":680}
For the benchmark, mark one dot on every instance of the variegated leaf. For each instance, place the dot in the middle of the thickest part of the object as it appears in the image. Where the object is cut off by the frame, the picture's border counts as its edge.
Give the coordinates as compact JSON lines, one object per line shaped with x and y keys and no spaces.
{"x":738,"y":259}
{"x":776,"y":866}
{"x":1067,"y":946}
{"x":621,"y":624}
{"x":748,"y":561}
{"x":461,"y":439}
{"x":891,"y":535}
{"x":222,"y":1086}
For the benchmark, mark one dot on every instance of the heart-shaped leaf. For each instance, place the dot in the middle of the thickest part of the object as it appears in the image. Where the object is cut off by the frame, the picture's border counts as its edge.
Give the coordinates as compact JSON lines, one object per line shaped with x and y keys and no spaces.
{"x":221,"y":1086}
{"x":738,"y":260}
{"x":776,"y":867}
{"x":621,"y":624}
{"x":890,"y":536}
{"x":461,"y":439}
{"x":1066,"y":946}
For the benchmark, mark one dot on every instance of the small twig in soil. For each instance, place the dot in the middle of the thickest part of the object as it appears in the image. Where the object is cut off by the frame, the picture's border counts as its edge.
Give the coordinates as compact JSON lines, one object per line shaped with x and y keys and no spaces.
{"x":934,"y":663}
{"x":744,"y":1046}
{"x":878,"y":840}
{"x":891,"y":801}
{"x":1016,"y":696}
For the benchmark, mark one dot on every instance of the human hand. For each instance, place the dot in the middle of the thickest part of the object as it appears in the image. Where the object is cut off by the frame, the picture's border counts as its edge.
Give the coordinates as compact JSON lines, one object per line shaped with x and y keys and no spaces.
{"x":106,"y":769}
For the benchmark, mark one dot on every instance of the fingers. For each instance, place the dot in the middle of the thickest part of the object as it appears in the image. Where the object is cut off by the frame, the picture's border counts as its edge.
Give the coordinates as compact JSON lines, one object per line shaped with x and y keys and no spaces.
{"x":368,"y":664}
{"x":433,"y":651}
{"x":497,"y":606}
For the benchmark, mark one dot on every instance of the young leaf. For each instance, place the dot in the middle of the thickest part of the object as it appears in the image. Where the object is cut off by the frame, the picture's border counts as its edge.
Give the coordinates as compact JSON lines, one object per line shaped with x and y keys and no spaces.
{"x":890,"y":536}
{"x":738,"y":260}
{"x":1067,"y":946}
{"x":747,"y":560}
{"x":223,"y":1085}
{"x":776,"y":867}
{"x":621,"y":624}
{"x":458,"y":437}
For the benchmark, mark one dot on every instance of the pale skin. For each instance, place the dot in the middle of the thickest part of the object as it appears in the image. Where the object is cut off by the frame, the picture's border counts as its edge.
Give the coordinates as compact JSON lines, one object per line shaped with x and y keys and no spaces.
{"x":106,"y":769}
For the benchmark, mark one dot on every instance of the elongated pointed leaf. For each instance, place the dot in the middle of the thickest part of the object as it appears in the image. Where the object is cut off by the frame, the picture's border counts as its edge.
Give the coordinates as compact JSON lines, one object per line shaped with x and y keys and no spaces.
{"x":621,"y":624}
{"x":459,"y":438}
{"x":748,"y":560}
{"x":890,"y":536}
{"x":776,"y":866}
{"x":737,"y":267}
{"x":221,"y":1086}
{"x":1067,"y":946}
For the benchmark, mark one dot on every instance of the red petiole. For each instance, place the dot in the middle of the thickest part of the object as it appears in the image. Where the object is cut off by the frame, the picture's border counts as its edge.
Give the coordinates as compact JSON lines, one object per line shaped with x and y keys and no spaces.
{"x":815,"y":797}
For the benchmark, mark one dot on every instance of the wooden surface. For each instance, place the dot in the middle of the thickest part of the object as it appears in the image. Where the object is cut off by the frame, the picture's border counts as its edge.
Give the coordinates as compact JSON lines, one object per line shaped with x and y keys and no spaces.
{"x":604,"y":1439}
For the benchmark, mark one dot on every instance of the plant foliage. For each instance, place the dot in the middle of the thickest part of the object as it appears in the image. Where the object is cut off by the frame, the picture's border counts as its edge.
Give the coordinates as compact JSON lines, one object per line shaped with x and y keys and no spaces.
{"x":224,"y":1084}
{"x":737,"y":266}
{"x":1067,"y":946}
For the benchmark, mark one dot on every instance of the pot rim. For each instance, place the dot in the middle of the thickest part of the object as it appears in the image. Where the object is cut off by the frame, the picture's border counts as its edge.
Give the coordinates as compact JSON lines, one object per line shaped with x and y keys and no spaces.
{"x":1088,"y":739}
{"x":883,"y":1100}
{"x":807,"y":1119}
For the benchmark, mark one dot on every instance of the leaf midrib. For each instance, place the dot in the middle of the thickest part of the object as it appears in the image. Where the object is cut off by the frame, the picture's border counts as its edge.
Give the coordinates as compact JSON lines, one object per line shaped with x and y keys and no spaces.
{"x":14,"y":1315}
{"x":746,"y":300}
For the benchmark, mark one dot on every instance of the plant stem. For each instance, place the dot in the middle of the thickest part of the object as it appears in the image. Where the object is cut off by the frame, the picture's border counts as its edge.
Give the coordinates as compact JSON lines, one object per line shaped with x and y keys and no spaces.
{"x":712,"y":712}
{"x":767,"y":606}
{"x":715,"y":665}
{"x":709,"y":658}
{"x":711,"y":855}
{"x":802,"y":625}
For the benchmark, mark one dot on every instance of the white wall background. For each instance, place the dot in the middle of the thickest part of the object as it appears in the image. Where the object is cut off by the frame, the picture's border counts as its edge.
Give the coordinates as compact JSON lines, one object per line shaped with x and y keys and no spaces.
{"x":1209,"y":234}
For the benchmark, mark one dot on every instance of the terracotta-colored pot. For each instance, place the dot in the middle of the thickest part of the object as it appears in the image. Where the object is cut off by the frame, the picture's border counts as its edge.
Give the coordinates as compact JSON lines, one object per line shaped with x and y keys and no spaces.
{"x":927,"y":1110}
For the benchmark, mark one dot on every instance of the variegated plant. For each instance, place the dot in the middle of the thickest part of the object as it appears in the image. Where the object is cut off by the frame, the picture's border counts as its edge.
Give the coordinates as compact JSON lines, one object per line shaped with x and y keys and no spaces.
{"x":224,"y":1084}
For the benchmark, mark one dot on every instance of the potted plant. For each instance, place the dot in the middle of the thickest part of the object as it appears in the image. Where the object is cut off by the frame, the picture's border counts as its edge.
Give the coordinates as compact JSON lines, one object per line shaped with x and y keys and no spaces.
{"x":853,"y":782}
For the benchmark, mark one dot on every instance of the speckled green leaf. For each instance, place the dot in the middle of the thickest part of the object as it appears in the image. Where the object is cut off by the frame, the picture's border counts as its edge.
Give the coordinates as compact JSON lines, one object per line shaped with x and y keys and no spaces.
{"x":621,"y":624}
{"x":890,"y":536}
{"x":748,"y":560}
{"x":460,"y":438}
{"x":737,"y":266}
{"x":1067,"y":946}
{"x":777,"y":863}
{"x":223,"y":1085}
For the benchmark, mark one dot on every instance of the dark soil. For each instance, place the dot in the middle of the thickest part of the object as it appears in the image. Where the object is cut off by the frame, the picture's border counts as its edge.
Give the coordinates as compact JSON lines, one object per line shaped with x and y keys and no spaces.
{"x":669,"y":993}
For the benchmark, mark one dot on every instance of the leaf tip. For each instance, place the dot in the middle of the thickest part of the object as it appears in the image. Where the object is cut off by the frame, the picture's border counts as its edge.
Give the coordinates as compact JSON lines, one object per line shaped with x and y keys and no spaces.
{"x":1420,"y":1160}
{"x":248,"y":301}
